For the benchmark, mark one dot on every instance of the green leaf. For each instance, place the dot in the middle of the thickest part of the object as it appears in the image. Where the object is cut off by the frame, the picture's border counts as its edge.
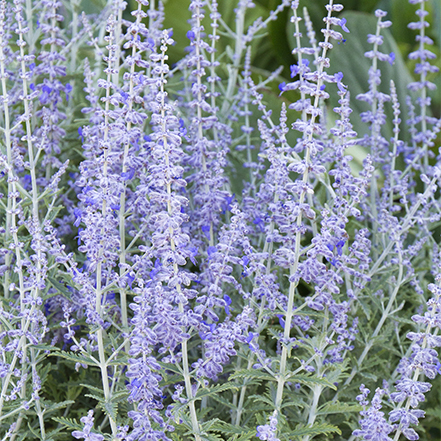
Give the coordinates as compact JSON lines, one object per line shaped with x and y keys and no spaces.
{"x":33,"y":431}
{"x":263,"y":399}
{"x":227,"y":428}
{"x":93,"y":388}
{"x":170,"y":367}
{"x":109,"y":408}
{"x":253,"y":374}
{"x":223,"y":401}
{"x":76,"y":358}
{"x":211,"y":437}
{"x":120,"y":361}
{"x":43,"y":347}
{"x":246,"y":436}
{"x":316,"y":429}
{"x":365,"y":374}
{"x":70,"y":423}
{"x":95,"y":397}
{"x":207,"y":392}
{"x":60,"y":288}
{"x":293,"y":398}
{"x":120,"y":395}
{"x":433,"y":413}
{"x":60,"y":405}
{"x":338,"y":407}
{"x":402,"y":320}
{"x":311,"y":381}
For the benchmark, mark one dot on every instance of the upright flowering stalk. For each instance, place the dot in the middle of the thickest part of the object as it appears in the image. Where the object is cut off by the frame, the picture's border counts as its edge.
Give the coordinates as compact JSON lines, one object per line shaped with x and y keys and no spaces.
{"x":163,"y":300}
{"x":220,"y":336}
{"x":373,"y":425}
{"x":424,"y":360}
{"x":52,"y":90}
{"x":131,"y":95}
{"x":99,"y":198}
{"x":410,"y":389}
{"x":314,"y":86}
{"x":239,"y":48}
{"x":376,"y":116}
{"x":423,"y":68}
{"x":243,"y":110}
{"x":258,"y":265}
{"x":12,"y":188}
{"x":205,"y":161}
{"x":23,"y":324}
{"x":375,"y":142}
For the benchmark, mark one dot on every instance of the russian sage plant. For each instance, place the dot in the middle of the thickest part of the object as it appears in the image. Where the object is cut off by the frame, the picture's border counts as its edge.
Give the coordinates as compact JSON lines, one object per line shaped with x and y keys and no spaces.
{"x":194,"y":247}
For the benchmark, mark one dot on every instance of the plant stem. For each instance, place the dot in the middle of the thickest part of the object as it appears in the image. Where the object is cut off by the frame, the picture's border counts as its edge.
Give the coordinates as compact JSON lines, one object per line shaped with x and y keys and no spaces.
{"x":294,"y":267}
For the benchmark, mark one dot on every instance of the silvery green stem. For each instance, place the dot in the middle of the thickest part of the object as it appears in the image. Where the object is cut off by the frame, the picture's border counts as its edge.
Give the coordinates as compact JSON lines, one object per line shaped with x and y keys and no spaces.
{"x":184,"y":343}
{"x":11,"y":179}
{"x":199,"y":109}
{"x":99,"y":290}
{"x":417,"y":370}
{"x":384,"y":317}
{"x":122,"y":203}
{"x":375,"y":132}
{"x":293,"y":268}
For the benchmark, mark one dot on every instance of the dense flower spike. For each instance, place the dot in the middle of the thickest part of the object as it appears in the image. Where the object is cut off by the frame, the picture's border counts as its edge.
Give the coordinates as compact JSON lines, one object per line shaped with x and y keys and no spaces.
{"x":86,"y":433}
{"x":374,"y":425}
{"x":187,"y":253}
{"x":424,"y":360}
{"x":424,"y":86}
{"x":376,"y":116}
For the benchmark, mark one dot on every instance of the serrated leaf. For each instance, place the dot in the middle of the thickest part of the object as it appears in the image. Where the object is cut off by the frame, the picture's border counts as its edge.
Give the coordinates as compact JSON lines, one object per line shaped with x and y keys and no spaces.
{"x":311,"y":380}
{"x":122,"y":394}
{"x":253,"y":374}
{"x":208,"y":425}
{"x":316,"y":429}
{"x":95,"y":397}
{"x":60,"y":405}
{"x":293,"y":399}
{"x":211,"y":437}
{"x":70,"y":423}
{"x":206,"y":392}
{"x":43,"y":347}
{"x":246,"y":436}
{"x":72,"y":356}
{"x":368,"y":375}
{"x":402,"y":320}
{"x":109,"y":408}
{"x":263,"y":399}
{"x":93,"y":388}
{"x":227,"y":428}
{"x":338,"y":407}
{"x":223,"y":401}
{"x":433,"y":413}
{"x":119,"y":361}
{"x":170,"y":367}
{"x":60,"y":287}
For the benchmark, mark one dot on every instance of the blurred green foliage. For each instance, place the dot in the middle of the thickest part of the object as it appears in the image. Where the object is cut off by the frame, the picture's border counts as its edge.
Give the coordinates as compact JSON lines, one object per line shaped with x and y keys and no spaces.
{"x":274,"y":48}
